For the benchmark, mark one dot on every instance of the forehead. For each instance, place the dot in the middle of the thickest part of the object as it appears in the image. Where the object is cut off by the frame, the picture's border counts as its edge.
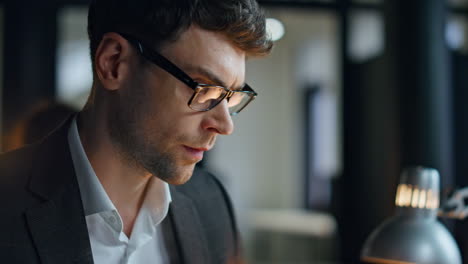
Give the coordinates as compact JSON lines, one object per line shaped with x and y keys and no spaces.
{"x":208,"y":50}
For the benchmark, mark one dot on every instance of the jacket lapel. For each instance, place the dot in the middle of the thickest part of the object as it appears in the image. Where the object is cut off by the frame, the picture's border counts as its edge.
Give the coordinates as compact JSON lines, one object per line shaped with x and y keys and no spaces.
{"x":188,"y":229}
{"x":58,"y":226}
{"x":59,"y":231}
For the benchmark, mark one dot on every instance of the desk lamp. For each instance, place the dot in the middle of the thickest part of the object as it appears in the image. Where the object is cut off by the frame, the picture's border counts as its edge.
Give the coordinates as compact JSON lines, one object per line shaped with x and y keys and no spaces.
{"x":413,"y":235}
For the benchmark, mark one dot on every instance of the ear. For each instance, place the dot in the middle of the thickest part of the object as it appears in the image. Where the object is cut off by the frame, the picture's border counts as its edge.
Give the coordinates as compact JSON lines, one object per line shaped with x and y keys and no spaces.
{"x":112,"y":60}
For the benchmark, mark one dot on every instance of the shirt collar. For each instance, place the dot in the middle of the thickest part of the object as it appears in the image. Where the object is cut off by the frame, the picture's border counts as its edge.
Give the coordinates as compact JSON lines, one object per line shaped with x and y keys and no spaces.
{"x":94,"y":197}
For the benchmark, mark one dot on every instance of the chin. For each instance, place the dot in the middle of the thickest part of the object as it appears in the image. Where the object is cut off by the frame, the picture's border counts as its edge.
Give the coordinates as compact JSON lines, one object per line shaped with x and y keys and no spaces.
{"x":182,"y":176}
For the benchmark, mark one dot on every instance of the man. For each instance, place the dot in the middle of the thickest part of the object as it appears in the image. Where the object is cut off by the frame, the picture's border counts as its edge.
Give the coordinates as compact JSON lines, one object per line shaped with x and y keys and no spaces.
{"x":116,"y":183}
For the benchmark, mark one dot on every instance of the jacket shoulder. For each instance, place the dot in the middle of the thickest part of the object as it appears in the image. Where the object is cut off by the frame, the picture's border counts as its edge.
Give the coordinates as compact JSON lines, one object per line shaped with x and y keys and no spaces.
{"x":16,"y":165}
{"x":15,"y":171}
{"x":215,"y":209}
{"x":207,"y":191}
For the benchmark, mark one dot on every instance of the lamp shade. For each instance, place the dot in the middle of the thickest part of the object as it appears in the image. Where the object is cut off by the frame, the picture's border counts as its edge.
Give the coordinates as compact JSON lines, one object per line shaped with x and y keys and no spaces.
{"x":413,"y":235}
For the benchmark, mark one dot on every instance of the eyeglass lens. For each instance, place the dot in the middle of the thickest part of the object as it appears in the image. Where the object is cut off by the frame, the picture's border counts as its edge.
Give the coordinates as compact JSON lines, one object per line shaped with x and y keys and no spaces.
{"x":208,"y":97}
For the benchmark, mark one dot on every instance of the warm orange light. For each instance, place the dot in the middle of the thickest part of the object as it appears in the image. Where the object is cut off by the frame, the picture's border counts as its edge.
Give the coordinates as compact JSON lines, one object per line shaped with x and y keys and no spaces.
{"x":422,"y":199}
{"x":415,"y":198}
{"x":404,"y":195}
{"x":398,"y":197}
{"x":412,"y":196}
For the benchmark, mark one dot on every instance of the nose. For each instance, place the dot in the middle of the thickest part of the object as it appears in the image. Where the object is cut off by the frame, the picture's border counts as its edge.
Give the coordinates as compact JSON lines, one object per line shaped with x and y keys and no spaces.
{"x":219,"y":120}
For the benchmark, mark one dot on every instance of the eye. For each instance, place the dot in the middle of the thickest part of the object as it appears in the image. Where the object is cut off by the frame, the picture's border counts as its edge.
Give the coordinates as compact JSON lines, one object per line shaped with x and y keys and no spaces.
{"x":210,"y":93}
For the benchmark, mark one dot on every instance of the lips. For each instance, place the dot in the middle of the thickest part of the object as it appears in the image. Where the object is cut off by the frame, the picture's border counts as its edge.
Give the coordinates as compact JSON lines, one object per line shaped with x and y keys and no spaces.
{"x":195,"y":153}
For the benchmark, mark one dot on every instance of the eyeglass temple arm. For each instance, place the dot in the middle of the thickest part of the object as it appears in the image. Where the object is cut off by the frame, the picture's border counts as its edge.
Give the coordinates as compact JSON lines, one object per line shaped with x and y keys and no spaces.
{"x":164,"y":63}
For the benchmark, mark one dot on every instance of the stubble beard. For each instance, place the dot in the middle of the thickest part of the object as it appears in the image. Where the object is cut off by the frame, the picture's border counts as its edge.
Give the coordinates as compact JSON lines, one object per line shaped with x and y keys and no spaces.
{"x":127,"y":133}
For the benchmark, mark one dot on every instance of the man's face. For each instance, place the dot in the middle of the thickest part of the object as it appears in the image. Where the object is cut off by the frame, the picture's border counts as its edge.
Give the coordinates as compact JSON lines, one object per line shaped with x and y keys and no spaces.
{"x":152,"y":124}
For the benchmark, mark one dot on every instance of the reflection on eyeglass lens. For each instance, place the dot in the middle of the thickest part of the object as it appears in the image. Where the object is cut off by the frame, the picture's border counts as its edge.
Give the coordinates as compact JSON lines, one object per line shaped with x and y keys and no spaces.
{"x":236,"y":99}
{"x":209,"y":93}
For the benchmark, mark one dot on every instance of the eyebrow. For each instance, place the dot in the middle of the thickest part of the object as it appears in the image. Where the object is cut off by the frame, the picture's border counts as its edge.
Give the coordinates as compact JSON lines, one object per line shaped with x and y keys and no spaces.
{"x":212,"y":77}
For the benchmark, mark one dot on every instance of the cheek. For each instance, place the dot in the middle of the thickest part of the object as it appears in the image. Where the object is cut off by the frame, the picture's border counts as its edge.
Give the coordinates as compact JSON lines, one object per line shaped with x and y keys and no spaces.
{"x":171,"y":96}
{"x":166,"y":113}
{"x":176,"y":131}
{"x":166,"y":125}
{"x":182,"y":94}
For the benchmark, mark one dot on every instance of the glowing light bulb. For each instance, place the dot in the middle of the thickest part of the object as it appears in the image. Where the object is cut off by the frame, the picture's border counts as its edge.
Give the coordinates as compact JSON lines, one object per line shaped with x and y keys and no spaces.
{"x":274,"y":28}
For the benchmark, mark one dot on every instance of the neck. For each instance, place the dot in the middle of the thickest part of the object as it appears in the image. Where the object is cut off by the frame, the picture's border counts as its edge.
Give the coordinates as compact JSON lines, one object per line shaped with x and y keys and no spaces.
{"x":123,"y":181}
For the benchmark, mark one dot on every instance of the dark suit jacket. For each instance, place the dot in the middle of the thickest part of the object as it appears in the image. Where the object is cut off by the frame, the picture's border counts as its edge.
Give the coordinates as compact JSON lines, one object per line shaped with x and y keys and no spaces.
{"x":42,"y":219}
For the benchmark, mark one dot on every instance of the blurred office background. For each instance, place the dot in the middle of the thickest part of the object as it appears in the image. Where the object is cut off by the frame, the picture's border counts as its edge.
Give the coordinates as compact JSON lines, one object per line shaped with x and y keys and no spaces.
{"x":354,"y":91}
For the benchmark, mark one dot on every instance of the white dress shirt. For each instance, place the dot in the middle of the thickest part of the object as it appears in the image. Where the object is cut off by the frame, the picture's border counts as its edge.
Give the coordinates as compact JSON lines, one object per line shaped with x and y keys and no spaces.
{"x":109,"y":243}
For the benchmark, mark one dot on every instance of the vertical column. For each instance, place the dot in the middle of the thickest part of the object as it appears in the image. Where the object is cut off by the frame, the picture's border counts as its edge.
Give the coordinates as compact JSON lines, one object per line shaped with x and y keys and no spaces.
{"x":29,"y":55}
{"x":424,"y":84}
{"x":460,"y":95}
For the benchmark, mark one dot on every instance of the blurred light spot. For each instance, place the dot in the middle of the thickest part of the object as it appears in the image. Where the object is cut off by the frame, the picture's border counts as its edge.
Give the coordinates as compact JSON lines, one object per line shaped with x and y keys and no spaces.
{"x":74,"y":72}
{"x":455,"y":34}
{"x":274,"y":28}
{"x":366,"y":35}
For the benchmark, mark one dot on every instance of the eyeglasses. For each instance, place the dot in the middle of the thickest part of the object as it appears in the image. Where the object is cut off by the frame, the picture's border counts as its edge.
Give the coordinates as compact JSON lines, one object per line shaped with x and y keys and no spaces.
{"x":205,"y":96}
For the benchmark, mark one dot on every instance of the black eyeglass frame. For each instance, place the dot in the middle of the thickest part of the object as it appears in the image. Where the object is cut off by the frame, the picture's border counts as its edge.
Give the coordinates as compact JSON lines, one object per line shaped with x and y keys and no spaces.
{"x":165,"y":64}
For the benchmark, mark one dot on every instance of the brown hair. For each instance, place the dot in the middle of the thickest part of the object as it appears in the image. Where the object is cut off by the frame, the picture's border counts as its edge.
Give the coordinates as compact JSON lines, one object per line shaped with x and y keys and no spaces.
{"x":162,"y":21}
